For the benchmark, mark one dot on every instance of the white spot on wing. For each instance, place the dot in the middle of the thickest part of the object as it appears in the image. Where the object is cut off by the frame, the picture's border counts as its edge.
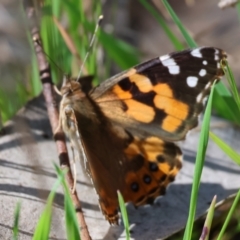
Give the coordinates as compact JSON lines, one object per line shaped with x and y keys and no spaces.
{"x":205,"y":100}
{"x":196,"y":53}
{"x":164,"y":57}
{"x":174,"y":69}
{"x":169,"y":62}
{"x":202,"y":72}
{"x":199,"y":97}
{"x":208,"y":85}
{"x":216,"y":58}
{"x":218,"y":65}
{"x":192,"y":81}
{"x":205,"y":62}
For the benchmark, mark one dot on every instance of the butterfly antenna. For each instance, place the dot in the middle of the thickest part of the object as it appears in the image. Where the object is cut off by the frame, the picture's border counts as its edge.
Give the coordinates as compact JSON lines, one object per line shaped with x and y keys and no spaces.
{"x":90,"y":46}
{"x":36,"y":40}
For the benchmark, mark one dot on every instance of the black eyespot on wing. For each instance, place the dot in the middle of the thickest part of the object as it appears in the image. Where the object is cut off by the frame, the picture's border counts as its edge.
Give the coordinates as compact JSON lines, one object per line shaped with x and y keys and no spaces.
{"x":147,"y":179}
{"x":135,"y":187}
{"x":153,"y":167}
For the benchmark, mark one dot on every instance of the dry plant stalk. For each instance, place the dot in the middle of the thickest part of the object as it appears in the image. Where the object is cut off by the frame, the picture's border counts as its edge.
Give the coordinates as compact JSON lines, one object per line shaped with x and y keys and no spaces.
{"x":53,"y":113}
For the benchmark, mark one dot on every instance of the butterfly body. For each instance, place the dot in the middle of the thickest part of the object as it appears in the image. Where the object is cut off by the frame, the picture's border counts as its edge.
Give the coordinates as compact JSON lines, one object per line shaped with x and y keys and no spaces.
{"x":124,"y":129}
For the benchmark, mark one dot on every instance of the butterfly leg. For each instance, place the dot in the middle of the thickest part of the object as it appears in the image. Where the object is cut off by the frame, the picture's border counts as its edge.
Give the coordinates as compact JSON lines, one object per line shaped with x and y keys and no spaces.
{"x":70,"y":126}
{"x":59,"y":126}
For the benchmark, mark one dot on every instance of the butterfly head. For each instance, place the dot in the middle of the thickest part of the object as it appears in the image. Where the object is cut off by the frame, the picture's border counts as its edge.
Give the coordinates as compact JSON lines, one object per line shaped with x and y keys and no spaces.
{"x":71,"y":88}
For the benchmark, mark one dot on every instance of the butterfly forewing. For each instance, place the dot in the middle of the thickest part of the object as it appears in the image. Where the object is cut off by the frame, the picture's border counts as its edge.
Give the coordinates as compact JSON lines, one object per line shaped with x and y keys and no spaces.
{"x":127,"y":124}
{"x":164,"y":96}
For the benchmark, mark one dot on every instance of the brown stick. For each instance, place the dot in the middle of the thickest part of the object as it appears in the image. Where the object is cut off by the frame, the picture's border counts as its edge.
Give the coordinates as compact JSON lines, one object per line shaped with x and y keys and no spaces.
{"x":53,"y":113}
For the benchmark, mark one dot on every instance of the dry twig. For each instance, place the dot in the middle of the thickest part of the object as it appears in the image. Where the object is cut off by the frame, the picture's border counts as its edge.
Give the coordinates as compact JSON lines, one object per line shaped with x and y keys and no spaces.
{"x":52,"y":109}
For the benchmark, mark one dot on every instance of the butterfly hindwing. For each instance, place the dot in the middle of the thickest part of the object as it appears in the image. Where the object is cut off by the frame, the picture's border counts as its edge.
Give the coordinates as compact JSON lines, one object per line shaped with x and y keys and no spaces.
{"x":152,"y":163}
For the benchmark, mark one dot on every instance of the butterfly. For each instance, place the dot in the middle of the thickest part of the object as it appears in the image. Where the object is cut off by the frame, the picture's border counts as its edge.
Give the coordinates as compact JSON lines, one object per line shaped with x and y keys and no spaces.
{"x":124,"y":129}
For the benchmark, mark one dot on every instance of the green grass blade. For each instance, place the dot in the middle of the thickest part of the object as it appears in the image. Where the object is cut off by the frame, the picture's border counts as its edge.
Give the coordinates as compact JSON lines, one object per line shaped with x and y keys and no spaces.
{"x":5,"y":106}
{"x":229,"y":216}
{"x":208,"y":221}
{"x":44,"y":223}
{"x":238,"y":10}
{"x":56,"y":8}
{"x":16,"y":221}
{"x":70,"y":218}
{"x":222,"y":102}
{"x":191,"y":43}
{"x":75,"y":14}
{"x":72,"y":226}
{"x":229,"y":75}
{"x":202,"y":146}
{"x":176,"y":43}
{"x":226,"y":148}
{"x":124,"y":214}
{"x":35,"y":82}
{"x":122,"y":53}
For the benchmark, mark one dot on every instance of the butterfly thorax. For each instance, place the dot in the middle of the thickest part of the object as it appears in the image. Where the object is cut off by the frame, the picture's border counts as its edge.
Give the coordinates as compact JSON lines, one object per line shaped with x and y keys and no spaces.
{"x":77,"y":107}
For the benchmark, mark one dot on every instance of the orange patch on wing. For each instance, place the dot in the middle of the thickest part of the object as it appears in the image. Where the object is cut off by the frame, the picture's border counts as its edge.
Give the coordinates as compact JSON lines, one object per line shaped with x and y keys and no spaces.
{"x":132,"y":149}
{"x":152,"y":154}
{"x":176,"y":110}
{"x":143,"y":83}
{"x":163,"y":89}
{"x":164,"y":167}
{"x":130,"y":72}
{"x":171,"y":106}
{"x":174,"y":171}
{"x":171,"y":124}
{"x":152,"y":147}
{"x":153,"y":141}
{"x":140,"y":111}
{"x":121,"y":93}
{"x":164,"y":100}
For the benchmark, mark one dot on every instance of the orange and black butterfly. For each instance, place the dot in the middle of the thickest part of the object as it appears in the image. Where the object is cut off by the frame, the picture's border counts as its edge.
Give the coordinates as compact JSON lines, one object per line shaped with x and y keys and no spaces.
{"x":125,"y":128}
